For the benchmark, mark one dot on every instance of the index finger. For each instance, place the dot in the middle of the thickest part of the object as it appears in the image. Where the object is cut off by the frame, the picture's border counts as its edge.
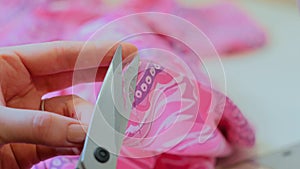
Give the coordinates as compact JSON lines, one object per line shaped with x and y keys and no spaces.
{"x":62,"y":56}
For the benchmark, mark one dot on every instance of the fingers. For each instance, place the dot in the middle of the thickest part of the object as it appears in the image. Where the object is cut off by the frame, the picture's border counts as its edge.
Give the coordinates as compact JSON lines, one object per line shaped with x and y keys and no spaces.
{"x":54,"y":57}
{"x":7,"y":159}
{"x":27,"y":155}
{"x":70,"y":106}
{"x":60,"y":134}
{"x":37,"y":127}
{"x":54,"y":64}
{"x":54,"y":82}
{"x":44,"y":152}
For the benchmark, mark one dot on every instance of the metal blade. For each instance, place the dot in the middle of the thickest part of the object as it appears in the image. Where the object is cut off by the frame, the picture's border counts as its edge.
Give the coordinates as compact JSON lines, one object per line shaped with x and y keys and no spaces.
{"x":106,"y":132}
{"x":130,"y":78}
{"x":101,"y":137}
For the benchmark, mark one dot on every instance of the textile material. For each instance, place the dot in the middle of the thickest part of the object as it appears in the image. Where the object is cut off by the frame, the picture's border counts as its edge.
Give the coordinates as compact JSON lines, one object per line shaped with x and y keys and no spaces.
{"x":170,"y":111}
{"x":170,"y":108}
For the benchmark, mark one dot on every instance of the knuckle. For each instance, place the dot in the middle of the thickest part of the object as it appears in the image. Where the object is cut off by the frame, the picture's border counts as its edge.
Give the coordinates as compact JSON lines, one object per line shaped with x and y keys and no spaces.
{"x":74,"y":99}
{"x":70,"y":104}
{"x":41,"y":125}
{"x":75,"y":96}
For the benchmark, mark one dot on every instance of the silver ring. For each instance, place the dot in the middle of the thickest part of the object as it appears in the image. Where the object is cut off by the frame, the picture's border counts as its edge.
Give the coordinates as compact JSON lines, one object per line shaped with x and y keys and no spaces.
{"x":42,"y":106}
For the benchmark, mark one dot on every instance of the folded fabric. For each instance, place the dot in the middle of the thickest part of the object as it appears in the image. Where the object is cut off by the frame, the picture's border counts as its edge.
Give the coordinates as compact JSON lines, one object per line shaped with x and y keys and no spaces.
{"x":169,"y":125}
{"x":41,"y":21}
{"x":169,"y":116}
{"x":228,"y":28}
{"x":179,"y":120}
{"x":222,"y":27}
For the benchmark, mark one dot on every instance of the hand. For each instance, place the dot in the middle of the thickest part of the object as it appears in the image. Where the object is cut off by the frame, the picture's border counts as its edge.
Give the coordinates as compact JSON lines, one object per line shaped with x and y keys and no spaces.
{"x":28,"y":135}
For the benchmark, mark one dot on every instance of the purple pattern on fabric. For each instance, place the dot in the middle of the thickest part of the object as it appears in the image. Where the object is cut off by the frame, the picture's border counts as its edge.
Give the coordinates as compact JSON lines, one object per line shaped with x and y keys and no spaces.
{"x":145,"y":84}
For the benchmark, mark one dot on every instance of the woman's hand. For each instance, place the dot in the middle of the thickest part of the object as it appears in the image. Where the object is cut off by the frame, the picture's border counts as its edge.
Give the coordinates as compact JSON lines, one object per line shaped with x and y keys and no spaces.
{"x":27,"y":134}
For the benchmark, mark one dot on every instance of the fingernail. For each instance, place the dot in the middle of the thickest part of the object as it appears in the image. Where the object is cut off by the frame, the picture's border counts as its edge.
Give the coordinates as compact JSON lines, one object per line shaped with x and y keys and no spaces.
{"x":76,"y":133}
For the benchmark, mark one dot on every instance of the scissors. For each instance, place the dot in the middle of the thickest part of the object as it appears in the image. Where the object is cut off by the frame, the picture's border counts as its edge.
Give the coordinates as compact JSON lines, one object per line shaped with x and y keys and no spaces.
{"x":110,"y":117}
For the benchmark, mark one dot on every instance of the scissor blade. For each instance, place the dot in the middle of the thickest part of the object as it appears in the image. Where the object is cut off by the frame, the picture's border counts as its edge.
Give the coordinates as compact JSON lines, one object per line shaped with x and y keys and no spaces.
{"x":130,"y":77}
{"x":102,"y":130}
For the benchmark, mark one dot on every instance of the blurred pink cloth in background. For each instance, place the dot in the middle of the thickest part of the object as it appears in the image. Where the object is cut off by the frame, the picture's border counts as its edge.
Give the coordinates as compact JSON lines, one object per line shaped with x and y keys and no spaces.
{"x":228,"y":28}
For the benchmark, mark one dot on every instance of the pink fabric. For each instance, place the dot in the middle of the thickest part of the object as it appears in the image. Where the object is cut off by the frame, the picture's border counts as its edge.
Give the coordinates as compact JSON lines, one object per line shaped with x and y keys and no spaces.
{"x":40,"y":21}
{"x":169,"y":112}
{"x":226,"y":26}
{"x":173,"y":128}
{"x":229,"y":29}
{"x":179,"y":103}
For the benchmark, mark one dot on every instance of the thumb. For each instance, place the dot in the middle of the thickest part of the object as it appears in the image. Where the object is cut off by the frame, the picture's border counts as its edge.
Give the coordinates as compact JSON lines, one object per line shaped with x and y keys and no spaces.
{"x":39,"y":127}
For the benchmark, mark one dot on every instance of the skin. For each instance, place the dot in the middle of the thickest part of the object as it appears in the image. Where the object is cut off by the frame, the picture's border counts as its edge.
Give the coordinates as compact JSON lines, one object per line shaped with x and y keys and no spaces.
{"x":27,"y":134}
